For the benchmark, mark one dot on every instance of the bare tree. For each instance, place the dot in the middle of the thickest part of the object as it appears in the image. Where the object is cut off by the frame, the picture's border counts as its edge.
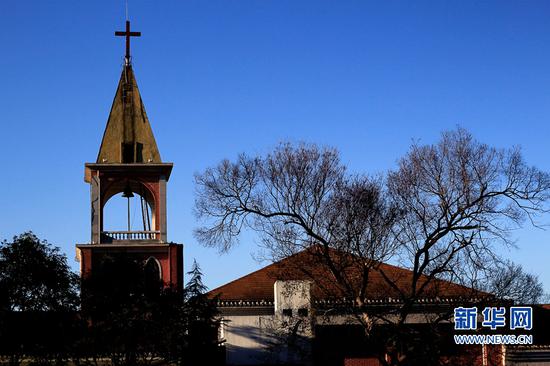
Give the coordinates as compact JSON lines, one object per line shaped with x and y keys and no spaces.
{"x":461,"y":198}
{"x":508,"y":280}
{"x":442,"y":212}
{"x":295,"y":198}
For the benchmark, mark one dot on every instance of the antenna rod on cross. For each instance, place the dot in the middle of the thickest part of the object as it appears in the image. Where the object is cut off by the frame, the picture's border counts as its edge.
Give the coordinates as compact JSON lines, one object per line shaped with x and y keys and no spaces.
{"x":127,"y":33}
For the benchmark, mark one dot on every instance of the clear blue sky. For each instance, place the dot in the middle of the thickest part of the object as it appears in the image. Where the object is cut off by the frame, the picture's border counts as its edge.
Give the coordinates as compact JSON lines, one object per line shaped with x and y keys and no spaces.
{"x":223,"y":77}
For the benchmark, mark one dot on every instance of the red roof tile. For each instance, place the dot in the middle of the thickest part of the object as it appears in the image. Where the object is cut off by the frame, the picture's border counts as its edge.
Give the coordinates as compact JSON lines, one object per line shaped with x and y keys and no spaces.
{"x":258,"y":285}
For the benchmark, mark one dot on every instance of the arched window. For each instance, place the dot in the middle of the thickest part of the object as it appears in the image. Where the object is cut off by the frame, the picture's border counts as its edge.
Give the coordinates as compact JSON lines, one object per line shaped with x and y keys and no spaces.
{"x":153,"y":270}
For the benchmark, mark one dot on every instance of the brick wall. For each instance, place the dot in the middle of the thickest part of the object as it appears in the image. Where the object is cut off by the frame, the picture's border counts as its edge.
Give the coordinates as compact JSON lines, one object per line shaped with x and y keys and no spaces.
{"x":361,"y":362}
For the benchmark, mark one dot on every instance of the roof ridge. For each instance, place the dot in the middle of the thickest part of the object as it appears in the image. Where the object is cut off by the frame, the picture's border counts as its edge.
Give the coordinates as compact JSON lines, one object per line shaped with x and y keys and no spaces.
{"x":436,"y":278}
{"x":259,"y":283}
{"x":256,"y":271}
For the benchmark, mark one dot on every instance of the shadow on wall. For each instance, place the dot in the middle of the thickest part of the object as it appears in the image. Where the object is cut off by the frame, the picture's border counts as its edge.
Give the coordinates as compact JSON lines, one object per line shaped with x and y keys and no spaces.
{"x":265,"y":340}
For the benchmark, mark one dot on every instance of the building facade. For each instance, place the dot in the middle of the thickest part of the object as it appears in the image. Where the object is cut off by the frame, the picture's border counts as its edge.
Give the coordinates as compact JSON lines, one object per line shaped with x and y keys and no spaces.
{"x":278,"y":315}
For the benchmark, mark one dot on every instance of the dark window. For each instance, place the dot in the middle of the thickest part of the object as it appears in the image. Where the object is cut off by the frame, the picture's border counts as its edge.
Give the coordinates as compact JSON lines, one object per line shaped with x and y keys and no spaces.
{"x":139,"y":152}
{"x":302,"y":312}
{"x":152,"y":270}
{"x":287,"y":312}
{"x":127,"y":152}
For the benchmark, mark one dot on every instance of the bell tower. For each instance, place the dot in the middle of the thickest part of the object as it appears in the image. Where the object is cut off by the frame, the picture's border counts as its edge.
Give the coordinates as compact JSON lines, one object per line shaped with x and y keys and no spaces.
{"x":129,"y":164}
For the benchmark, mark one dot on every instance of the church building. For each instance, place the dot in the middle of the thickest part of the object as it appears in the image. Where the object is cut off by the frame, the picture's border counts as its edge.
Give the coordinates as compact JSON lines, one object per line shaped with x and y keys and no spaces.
{"x":129,"y":163}
{"x":276,"y":315}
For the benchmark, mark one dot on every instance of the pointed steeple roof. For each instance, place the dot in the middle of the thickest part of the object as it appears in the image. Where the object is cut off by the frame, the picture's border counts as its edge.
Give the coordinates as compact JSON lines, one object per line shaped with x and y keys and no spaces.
{"x":128,"y":137}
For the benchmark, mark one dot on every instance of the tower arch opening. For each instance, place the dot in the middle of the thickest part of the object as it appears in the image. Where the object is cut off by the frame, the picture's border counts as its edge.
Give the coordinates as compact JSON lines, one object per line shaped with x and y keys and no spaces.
{"x":129,"y":212}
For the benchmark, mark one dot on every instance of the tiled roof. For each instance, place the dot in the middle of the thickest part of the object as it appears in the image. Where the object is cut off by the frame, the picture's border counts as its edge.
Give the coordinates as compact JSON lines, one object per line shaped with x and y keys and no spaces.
{"x":258,"y":286}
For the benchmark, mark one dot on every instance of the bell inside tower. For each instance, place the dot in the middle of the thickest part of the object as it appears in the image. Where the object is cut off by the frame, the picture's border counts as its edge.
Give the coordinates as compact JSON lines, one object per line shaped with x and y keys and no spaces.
{"x":129,"y":211}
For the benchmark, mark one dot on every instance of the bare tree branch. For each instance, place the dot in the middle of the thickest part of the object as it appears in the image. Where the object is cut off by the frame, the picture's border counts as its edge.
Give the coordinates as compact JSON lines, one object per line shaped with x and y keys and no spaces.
{"x":441,"y":213}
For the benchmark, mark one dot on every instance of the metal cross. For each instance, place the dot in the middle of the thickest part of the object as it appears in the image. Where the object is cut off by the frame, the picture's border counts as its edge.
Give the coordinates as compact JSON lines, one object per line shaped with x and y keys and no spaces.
{"x":127,"y":34}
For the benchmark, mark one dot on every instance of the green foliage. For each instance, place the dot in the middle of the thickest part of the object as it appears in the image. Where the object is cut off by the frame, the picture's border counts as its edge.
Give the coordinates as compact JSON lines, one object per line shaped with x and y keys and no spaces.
{"x":39,"y":297}
{"x":195,"y":288}
{"x":200,"y":320}
{"x":35,"y":276}
{"x":126,"y":316}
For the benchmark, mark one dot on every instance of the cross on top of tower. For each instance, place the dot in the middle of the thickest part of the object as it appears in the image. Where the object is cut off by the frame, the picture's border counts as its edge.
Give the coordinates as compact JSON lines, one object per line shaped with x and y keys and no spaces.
{"x":127,"y":33}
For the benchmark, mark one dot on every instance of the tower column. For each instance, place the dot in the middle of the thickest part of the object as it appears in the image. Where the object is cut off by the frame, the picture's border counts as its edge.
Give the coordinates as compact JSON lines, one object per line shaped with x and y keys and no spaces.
{"x":162,"y":210}
{"x":95,"y":189}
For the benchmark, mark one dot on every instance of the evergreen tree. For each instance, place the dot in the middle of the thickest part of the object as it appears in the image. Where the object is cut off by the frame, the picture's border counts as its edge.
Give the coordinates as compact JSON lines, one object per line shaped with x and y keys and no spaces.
{"x":202,"y":321}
